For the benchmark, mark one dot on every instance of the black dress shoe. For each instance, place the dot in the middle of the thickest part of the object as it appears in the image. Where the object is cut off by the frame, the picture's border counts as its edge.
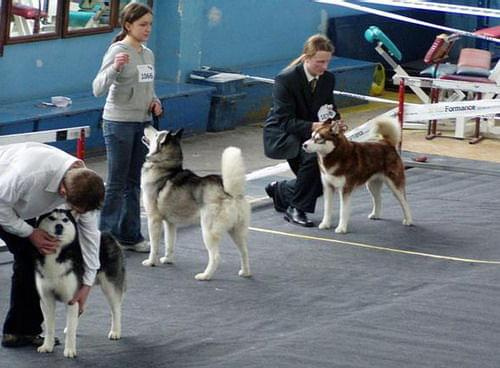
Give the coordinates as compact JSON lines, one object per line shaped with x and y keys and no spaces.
{"x":298,"y":217}
{"x":271,"y":192}
{"x":16,"y":341}
{"x":271,"y":189}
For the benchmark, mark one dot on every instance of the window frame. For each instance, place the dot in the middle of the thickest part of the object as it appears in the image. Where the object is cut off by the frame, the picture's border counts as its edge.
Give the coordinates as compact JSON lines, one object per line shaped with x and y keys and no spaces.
{"x":113,"y":17}
{"x":3,"y":24}
{"x":8,"y":40}
{"x":61,"y":30}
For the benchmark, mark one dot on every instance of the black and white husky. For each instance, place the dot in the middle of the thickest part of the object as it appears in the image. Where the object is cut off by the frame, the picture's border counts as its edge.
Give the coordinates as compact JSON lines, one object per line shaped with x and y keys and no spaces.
{"x":60,"y":275}
{"x":175,"y":196}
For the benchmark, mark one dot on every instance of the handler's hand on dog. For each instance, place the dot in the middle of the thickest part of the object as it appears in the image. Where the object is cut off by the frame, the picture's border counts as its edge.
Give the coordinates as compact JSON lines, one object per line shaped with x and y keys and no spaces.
{"x":44,"y":242}
{"x":81,"y":298}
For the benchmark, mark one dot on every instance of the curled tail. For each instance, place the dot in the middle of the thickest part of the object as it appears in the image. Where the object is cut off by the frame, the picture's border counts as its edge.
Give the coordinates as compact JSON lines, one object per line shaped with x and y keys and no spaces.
{"x":387,"y":129}
{"x":233,"y":171}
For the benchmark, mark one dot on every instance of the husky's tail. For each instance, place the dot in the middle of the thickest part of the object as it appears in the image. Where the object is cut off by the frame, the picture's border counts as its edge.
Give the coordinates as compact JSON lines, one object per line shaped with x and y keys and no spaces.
{"x":233,"y":171}
{"x":387,"y":129}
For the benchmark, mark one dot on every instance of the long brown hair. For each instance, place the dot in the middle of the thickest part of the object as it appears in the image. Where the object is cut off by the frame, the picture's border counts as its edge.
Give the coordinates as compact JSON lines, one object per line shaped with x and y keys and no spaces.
{"x":315,"y":43}
{"x":130,"y":13}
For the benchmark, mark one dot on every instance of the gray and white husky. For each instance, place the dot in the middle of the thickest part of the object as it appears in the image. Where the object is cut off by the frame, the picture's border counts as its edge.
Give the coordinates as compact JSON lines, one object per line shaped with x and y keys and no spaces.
{"x":175,"y":196}
{"x":59,"y":275}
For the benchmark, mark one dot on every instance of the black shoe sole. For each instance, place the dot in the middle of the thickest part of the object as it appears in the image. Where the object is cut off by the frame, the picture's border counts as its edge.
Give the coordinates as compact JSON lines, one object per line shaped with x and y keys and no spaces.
{"x":307,"y":224}
{"x":27,"y":341}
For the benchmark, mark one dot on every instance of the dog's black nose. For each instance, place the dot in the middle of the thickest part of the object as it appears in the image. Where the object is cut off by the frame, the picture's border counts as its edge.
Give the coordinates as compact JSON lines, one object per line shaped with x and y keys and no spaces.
{"x":304,"y":146}
{"x":59,"y":229}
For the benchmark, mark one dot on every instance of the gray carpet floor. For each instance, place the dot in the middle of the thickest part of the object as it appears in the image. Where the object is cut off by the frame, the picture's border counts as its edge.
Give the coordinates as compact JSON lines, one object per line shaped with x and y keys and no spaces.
{"x":383,"y":295}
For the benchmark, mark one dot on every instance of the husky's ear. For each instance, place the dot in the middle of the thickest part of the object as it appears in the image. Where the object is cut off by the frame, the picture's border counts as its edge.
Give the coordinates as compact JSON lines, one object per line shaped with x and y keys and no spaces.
{"x":334,"y":127}
{"x":338,"y":126}
{"x":178,"y":133}
{"x":162,"y":137}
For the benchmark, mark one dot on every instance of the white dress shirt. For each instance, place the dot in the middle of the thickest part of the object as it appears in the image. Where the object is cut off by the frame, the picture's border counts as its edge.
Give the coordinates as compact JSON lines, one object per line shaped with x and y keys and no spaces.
{"x":309,"y":76}
{"x":30,"y":177}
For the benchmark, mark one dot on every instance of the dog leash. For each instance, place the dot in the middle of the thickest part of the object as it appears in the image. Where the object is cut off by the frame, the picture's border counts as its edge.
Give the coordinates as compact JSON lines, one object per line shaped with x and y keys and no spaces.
{"x":156,"y":122}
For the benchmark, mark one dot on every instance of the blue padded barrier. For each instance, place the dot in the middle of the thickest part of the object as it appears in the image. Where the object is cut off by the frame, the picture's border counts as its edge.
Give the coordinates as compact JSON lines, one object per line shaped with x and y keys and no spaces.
{"x":351,"y":75}
{"x":33,"y":116}
{"x":185,"y":105}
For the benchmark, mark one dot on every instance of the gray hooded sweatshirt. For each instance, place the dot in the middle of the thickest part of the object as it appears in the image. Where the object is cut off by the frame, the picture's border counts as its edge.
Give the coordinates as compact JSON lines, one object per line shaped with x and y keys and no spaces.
{"x":131,"y":90}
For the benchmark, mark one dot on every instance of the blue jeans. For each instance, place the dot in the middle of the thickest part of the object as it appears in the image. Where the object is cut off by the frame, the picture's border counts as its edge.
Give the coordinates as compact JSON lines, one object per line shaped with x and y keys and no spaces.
{"x":121,"y":213}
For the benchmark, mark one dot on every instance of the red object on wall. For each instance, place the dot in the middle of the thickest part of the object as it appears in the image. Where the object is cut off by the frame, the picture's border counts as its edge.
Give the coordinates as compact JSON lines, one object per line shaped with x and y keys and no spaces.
{"x":27,"y":12}
{"x":80,"y":145}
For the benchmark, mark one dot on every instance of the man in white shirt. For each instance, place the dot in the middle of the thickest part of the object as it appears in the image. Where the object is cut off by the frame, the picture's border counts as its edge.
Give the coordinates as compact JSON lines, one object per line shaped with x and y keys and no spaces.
{"x":34,"y":179}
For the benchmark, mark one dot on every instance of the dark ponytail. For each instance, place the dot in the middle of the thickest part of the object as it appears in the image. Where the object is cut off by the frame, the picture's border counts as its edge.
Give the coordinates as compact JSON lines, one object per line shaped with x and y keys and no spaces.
{"x":120,"y":36}
{"x":130,"y":13}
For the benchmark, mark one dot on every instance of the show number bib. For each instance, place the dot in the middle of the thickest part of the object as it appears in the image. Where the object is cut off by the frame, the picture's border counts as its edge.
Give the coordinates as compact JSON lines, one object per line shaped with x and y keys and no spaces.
{"x":146,"y":73}
{"x":326,"y":112}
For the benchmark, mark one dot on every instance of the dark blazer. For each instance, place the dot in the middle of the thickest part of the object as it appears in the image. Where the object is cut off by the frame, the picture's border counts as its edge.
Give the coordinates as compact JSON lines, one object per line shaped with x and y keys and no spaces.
{"x":294,"y":110}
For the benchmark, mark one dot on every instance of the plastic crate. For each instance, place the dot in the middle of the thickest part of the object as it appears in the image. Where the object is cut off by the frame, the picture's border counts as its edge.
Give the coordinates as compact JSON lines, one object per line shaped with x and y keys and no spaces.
{"x":224,"y":101}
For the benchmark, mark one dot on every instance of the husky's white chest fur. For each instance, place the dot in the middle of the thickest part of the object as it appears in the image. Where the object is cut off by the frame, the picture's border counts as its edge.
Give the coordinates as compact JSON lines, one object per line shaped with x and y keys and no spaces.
{"x":57,"y":278}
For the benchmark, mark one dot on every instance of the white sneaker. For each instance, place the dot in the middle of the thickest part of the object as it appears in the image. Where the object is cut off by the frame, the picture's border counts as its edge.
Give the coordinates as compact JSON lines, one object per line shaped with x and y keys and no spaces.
{"x":141,"y":247}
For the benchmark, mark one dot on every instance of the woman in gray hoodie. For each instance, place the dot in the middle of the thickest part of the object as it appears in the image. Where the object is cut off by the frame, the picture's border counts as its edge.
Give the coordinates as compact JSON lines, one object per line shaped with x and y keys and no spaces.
{"x":127,"y":75}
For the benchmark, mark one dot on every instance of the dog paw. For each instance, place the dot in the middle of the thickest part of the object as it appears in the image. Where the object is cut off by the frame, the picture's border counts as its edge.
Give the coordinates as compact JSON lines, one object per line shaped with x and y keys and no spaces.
{"x":244,"y":274}
{"x":341,"y":229}
{"x":373,"y":216}
{"x":114,"y":335}
{"x":324,"y":225}
{"x":407,"y":222}
{"x":45,"y":348}
{"x":167,"y":259}
{"x":70,"y":353}
{"x":202,"y":277}
{"x":149,"y":263}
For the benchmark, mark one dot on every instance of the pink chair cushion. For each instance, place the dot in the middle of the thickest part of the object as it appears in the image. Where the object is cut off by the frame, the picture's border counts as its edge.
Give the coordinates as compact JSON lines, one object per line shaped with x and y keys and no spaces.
{"x":466,"y":78}
{"x":475,"y":58}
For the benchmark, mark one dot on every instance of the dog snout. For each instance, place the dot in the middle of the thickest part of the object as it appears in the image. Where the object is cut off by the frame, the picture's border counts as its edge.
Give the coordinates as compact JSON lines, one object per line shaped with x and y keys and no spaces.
{"x":58,"y":229}
{"x":304,"y":145}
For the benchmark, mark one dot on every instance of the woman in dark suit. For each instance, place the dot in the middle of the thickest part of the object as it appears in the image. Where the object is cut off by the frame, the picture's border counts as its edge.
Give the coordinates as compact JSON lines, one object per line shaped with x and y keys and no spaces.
{"x":299,"y":92}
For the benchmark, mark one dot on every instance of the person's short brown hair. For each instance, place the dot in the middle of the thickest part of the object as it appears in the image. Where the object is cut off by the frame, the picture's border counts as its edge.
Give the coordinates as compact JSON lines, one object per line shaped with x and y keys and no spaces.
{"x":84,"y":189}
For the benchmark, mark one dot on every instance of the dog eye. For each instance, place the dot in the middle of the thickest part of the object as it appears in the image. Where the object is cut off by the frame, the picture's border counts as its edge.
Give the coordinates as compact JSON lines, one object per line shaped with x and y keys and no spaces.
{"x":319,"y":140}
{"x":65,"y":220}
{"x":52,"y":218}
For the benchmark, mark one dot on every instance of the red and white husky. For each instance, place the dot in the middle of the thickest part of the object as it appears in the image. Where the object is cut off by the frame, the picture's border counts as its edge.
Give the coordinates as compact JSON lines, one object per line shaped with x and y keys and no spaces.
{"x":346,"y":165}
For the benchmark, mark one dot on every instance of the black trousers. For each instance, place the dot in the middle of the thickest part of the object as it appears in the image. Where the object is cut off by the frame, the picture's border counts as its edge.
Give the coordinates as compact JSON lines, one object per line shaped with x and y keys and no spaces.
{"x":24,"y":316}
{"x":303,"y":191}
